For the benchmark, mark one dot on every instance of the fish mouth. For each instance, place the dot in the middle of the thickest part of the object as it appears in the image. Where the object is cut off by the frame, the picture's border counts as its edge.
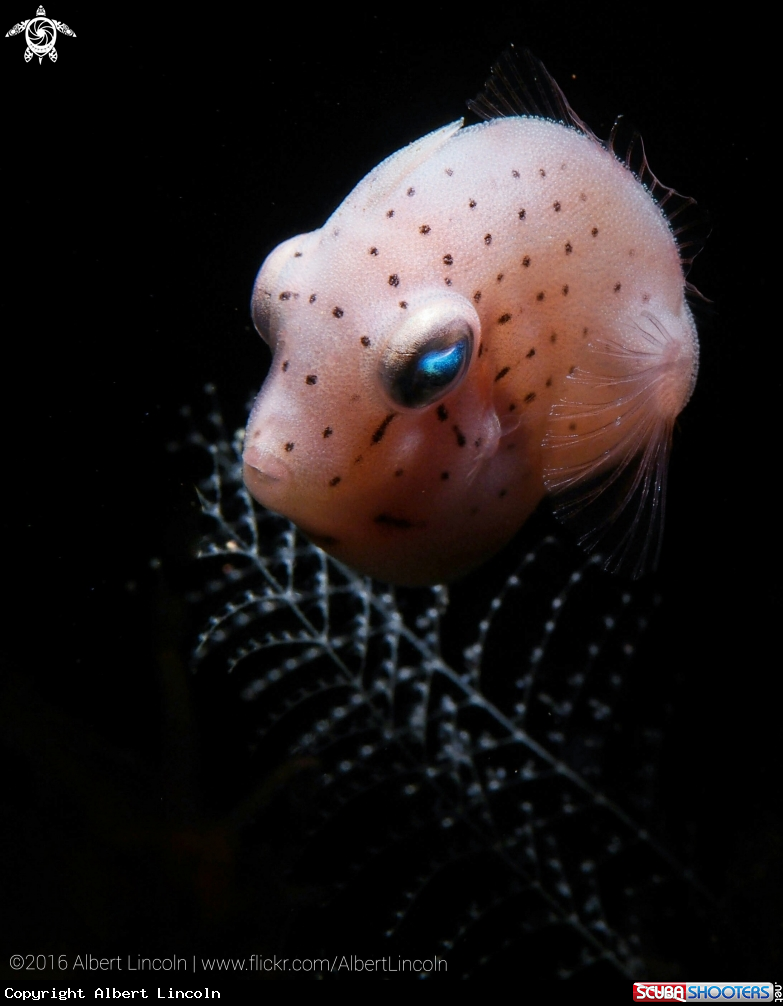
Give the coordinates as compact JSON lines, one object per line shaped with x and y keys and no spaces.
{"x":262,"y":464}
{"x":266,"y":478}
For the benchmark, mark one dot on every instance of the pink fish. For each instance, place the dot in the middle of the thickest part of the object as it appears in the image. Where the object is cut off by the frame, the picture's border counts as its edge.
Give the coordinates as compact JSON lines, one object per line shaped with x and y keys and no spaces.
{"x":496,"y":313}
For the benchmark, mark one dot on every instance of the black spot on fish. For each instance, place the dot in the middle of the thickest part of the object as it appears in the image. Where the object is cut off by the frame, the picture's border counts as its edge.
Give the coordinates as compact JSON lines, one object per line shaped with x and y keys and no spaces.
{"x":568,"y":248}
{"x":502,"y":373}
{"x":377,"y":437}
{"x":285,"y":295}
{"x":542,"y":172}
{"x":487,"y":239}
{"x":411,"y":191}
{"x":503,"y":319}
{"x":472,"y":204}
{"x":286,"y":364}
{"x":424,"y":229}
{"x":289,"y":446}
{"x":526,"y":261}
{"x":594,"y":231}
{"x":448,"y":281}
{"x":500,"y":277}
{"x":502,"y":493}
{"x":515,"y":174}
{"x":530,"y":397}
{"x":556,"y":206}
{"x":401,"y":523}
{"x":390,"y":213}
{"x":335,"y":481}
{"x":565,"y":290}
{"x":338,"y":312}
{"x":328,"y":432}
{"x":530,"y":352}
{"x":441,"y":413}
{"x":477,"y":296}
{"x":444,"y":476}
{"x":403,"y":304}
{"x":399,"y":472}
{"x":448,"y":260}
{"x":460,"y":436}
{"x":540,"y":295}
{"x":512,"y":407}
{"x":365,"y":341}
{"x":394,"y":279}
{"x":297,"y":254}
{"x":373,"y":251}
{"x":311,"y":379}
{"x":449,"y":171}
{"x":313,"y":298}
{"x":617,"y":287}
{"x":549,"y":382}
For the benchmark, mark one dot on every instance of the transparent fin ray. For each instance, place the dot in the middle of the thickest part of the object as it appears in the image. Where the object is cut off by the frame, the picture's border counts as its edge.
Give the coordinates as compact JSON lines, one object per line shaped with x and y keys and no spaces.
{"x":688,"y":222}
{"x":607,"y":455}
{"x":520,"y":84}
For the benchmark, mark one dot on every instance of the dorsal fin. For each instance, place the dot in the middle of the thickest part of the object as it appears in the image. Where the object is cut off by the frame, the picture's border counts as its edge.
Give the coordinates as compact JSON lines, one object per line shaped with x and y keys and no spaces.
{"x":689,"y":223}
{"x":520,"y":84}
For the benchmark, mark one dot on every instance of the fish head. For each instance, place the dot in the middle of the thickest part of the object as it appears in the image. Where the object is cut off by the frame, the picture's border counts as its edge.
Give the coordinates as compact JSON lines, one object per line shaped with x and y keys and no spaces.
{"x":377,"y":416}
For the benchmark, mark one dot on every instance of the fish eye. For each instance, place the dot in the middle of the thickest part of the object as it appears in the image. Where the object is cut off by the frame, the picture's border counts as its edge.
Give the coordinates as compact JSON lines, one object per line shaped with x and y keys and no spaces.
{"x":426,"y":377}
{"x":428,"y":357}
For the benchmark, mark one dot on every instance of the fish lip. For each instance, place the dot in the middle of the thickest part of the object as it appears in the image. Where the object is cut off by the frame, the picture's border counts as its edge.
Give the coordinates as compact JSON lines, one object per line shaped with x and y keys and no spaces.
{"x":264,"y":465}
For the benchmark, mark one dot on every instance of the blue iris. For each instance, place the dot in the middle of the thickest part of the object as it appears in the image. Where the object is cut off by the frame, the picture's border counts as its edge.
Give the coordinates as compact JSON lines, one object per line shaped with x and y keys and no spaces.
{"x":441,"y":366}
{"x":415,"y":380}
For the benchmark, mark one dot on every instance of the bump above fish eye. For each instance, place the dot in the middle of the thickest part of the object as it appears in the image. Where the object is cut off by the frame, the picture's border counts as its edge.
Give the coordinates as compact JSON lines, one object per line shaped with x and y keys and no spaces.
{"x":277,"y":288}
{"x":428,"y":356}
{"x":261,"y":309}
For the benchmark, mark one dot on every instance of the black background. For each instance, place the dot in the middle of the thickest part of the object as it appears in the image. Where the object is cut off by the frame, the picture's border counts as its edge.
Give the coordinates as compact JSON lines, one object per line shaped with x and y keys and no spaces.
{"x":146,"y":175}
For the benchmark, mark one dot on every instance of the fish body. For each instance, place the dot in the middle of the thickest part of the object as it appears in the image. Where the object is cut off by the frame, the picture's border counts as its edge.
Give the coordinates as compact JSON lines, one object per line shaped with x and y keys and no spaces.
{"x":496,"y":312}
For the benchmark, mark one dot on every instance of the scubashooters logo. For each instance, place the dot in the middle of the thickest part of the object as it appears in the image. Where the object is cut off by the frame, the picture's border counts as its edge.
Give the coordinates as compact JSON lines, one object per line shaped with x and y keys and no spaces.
{"x":41,"y":34}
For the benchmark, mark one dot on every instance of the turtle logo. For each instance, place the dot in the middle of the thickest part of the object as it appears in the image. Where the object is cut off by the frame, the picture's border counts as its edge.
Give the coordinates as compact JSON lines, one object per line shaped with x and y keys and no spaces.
{"x":41,"y":34}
